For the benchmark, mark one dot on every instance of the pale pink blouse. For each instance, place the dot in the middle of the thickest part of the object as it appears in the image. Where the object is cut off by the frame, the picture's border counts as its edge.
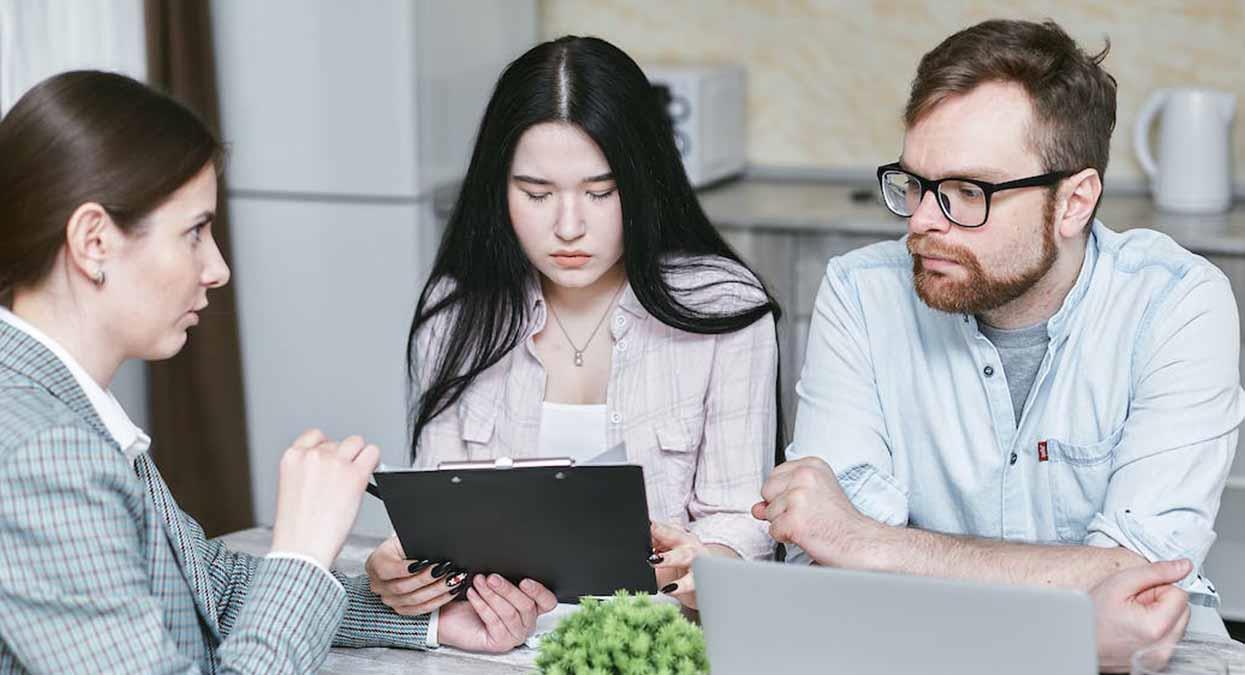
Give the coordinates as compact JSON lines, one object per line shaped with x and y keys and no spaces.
{"x":697,"y":412}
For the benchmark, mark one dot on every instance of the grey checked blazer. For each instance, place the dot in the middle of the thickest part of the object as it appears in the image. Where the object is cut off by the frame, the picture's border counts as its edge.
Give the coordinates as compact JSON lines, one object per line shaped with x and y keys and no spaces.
{"x":101,"y":572}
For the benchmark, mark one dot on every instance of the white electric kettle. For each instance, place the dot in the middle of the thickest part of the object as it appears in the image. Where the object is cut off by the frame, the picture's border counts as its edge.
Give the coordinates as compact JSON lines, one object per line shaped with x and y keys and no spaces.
{"x":1194,"y":169}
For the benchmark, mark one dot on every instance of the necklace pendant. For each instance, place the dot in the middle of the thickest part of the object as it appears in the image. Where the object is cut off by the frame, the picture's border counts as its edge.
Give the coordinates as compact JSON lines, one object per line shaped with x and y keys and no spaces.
{"x":579,"y":358}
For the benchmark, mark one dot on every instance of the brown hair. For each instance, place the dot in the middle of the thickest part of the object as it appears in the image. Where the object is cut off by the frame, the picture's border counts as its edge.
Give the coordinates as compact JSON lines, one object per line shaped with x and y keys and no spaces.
{"x":1073,"y":97}
{"x":88,"y":136}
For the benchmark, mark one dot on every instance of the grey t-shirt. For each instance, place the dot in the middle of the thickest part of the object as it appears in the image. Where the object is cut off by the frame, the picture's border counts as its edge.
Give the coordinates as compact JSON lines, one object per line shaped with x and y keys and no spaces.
{"x":1021,"y":350}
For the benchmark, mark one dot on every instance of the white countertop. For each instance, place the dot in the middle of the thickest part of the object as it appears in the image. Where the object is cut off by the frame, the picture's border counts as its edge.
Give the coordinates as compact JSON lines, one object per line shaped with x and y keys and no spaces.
{"x":810,"y":207}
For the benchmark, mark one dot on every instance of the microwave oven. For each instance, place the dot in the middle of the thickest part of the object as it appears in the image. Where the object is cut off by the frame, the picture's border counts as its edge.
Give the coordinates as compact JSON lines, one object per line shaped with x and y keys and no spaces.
{"x":707,"y":107}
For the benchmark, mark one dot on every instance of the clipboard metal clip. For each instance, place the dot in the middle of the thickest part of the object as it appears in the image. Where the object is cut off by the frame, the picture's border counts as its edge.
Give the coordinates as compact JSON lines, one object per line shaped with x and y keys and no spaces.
{"x":499,"y":463}
{"x":509,"y":463}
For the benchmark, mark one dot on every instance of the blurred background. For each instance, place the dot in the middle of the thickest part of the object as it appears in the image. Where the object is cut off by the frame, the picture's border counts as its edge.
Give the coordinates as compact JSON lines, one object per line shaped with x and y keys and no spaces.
{"x":350,"y":122}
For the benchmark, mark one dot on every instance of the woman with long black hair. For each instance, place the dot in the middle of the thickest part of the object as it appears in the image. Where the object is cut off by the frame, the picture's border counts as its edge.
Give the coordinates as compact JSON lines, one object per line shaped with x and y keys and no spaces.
{"x":582,"y":305}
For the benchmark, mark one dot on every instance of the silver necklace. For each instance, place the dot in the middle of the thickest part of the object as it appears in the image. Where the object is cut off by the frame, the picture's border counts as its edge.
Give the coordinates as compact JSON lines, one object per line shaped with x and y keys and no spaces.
{"x":579,"y":351}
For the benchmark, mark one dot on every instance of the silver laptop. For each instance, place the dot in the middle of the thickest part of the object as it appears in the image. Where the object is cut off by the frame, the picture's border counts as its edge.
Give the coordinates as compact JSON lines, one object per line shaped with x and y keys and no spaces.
{"x":767,"y":617}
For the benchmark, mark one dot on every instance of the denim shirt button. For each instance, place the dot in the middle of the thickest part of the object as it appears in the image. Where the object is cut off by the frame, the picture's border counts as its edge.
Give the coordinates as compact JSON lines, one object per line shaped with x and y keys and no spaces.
{"x":989,"y":371}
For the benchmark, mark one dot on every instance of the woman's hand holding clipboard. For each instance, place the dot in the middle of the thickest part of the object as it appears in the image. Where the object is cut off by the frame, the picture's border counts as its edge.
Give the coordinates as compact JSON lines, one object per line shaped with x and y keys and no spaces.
{"x":578,"y":530}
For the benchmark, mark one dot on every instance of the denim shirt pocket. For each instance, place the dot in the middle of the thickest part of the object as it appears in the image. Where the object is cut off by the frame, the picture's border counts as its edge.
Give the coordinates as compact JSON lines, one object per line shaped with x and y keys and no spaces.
{"x":1079,"y":474}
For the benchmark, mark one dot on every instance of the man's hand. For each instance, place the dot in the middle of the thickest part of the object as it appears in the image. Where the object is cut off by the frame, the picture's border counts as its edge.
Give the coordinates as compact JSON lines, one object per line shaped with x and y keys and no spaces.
{"x":1139,"y":607}
{"x":497,"y":617}
{"x":805,"y":506}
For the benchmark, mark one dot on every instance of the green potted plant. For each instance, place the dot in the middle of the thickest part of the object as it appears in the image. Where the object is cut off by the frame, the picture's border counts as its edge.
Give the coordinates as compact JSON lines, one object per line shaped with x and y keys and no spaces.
{"x":627,"y":635}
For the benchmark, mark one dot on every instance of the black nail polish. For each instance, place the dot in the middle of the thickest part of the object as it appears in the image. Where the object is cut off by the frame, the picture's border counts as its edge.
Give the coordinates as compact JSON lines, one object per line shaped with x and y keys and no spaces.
{"x":455,"y":579}
{"x":669,"y":588}
{"x":655,"y":559}
{"x":441,"y":569}
{"x":459,"y":589}
{"x":417,"y":566}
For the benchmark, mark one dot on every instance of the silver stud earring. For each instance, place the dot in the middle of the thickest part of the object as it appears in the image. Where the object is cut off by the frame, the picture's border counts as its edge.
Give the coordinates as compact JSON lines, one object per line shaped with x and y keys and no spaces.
{"x":99,"y":278}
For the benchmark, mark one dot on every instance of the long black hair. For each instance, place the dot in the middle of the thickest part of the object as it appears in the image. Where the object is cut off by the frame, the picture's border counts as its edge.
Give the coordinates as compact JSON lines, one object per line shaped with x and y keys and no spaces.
{"x":594,"y":85}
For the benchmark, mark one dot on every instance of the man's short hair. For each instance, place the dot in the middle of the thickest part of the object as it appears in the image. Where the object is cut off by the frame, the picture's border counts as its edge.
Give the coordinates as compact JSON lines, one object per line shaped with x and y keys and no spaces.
{"x":1073,"y":97}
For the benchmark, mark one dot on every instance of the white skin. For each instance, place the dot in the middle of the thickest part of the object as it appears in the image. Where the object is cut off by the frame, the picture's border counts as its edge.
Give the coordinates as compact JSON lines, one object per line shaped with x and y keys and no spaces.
{"x":1137,"y":608}
{"x":979,"y":134}
{"x":567,"y":215}
{"x":155,"y":282}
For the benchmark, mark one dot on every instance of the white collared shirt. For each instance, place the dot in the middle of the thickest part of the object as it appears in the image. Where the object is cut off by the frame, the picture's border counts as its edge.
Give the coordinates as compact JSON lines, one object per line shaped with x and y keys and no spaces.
{"x":133,"y":440}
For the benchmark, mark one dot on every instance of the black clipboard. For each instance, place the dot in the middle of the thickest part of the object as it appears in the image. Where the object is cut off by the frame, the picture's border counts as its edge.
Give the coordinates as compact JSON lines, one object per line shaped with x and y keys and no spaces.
{"x":579,"y":530}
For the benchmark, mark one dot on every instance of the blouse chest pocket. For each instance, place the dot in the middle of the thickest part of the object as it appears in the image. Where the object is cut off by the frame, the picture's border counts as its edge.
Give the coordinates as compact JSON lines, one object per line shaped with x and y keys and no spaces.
{"x":478,"y":420}
{"x":1079,"y":474}
{"x":677,"y":441}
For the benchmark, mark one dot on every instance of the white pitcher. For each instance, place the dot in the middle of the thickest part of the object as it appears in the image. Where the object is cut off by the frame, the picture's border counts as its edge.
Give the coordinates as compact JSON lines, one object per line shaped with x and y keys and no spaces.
{"x":1194,"y":169}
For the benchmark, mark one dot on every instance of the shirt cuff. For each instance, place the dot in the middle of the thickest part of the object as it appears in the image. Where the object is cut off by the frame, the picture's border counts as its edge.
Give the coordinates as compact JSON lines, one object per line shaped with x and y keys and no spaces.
{"x":307,"y":559}
{"x":740,"y":532}
{"x":875,"y":494}
{"x":434,"y":618}
{"x":1139,"y":535}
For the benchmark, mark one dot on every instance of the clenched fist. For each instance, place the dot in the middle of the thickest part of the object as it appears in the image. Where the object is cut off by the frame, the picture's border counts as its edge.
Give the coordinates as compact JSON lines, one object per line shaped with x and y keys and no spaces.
{"x":319,"y":487}
{"x":805,"y":506}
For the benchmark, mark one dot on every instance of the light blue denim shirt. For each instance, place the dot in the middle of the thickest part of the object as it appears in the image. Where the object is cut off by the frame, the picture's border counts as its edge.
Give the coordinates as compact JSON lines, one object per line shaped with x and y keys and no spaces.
{"x":1127,"y":435}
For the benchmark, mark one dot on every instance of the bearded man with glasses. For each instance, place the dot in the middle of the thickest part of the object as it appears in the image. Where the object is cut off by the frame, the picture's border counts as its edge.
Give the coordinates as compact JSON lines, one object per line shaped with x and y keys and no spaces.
{"x":1014,"y":392}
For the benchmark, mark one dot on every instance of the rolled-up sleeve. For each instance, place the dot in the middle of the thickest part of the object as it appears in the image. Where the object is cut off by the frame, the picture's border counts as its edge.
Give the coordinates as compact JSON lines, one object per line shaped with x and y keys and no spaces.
{"x":839,"y":417}
{"x":1180,"y":437}
{"x":740,"y":426}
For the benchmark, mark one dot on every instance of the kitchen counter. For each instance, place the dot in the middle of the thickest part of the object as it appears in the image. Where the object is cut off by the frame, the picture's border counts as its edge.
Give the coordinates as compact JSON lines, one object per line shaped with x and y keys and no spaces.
{"x":853,"y":208}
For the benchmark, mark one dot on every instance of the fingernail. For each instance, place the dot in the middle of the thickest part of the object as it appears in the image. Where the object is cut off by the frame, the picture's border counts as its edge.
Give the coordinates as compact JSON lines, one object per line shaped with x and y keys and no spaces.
{"x":655,"y":559}
{"x":418,"y":565}
{"x":494,"y":580}
{"x":456,"y":579}
{"x":441,"y":569}
{"x":669,"y":588}
{"x":459,"y":589}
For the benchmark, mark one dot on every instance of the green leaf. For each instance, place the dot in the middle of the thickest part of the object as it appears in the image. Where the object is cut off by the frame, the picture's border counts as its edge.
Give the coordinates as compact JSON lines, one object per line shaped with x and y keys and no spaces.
{"x":625,"y":635}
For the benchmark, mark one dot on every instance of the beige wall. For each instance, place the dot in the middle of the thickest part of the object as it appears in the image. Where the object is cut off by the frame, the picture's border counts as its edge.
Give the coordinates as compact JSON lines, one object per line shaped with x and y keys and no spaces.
{"x":827,"y":80}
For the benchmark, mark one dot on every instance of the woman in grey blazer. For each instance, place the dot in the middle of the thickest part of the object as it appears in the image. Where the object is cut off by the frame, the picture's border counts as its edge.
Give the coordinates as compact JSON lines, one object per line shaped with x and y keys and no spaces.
{"x":107,"y":194}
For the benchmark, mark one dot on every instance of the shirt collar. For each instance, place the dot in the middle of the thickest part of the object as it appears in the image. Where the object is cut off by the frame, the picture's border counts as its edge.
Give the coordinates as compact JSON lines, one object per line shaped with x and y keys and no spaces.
{"x":627,"y":301}
{"x":133,"y":440}
{"x":1057,"y":327}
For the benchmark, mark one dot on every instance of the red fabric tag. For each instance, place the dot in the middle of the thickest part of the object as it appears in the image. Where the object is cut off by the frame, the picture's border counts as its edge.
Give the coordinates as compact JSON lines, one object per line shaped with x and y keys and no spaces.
{"x":1042,"y":456}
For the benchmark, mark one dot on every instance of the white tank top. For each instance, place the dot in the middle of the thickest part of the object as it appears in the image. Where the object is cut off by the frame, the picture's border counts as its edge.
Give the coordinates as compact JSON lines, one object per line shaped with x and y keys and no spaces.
{"x":575,"y":431}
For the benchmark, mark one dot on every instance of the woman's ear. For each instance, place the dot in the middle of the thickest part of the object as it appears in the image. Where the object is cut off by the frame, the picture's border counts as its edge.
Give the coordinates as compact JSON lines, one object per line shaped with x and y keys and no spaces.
{"x":1082,"y":191}
{"x":92,"y":239}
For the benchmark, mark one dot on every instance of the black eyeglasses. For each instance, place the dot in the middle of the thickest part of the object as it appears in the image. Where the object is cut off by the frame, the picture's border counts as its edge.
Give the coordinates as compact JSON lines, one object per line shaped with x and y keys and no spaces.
{"x":964,"y":201}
